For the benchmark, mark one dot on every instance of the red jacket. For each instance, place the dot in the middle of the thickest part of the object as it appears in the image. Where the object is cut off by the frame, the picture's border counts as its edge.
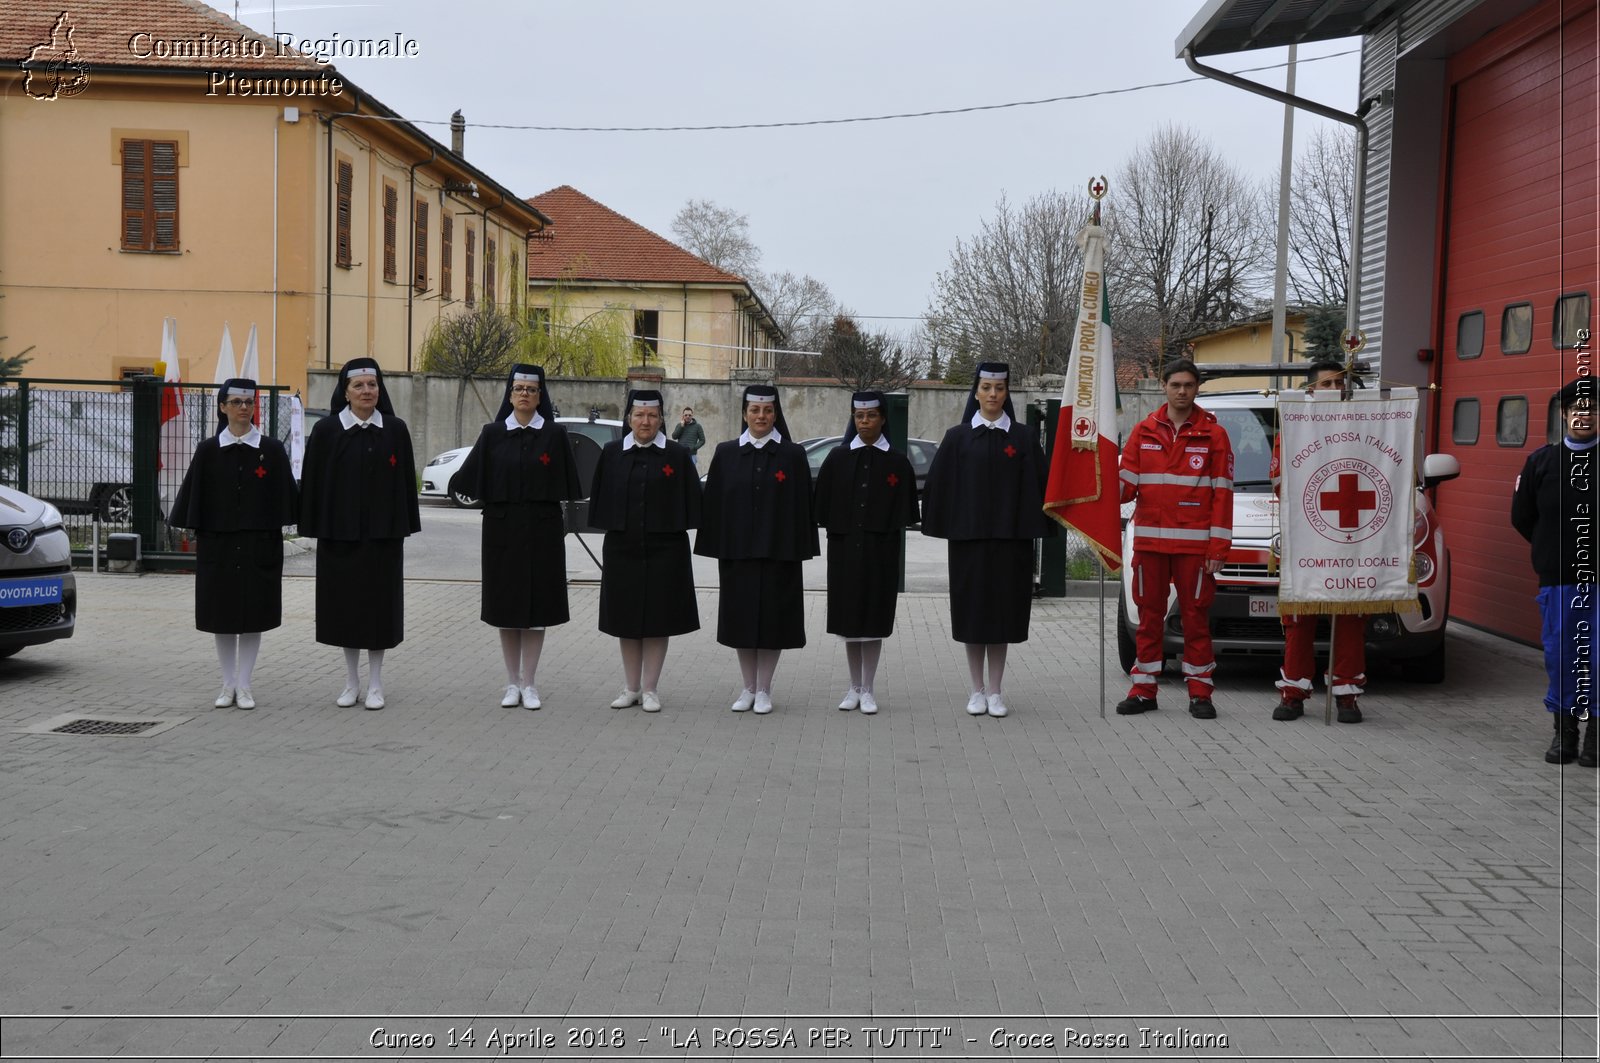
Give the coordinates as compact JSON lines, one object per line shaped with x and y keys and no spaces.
{"x":1183,"y":481}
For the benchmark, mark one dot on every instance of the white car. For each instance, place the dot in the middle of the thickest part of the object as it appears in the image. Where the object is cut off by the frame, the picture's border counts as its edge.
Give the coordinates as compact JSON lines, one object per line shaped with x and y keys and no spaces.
{"x":38,"y":595}
{"x":438,"y":473}
{"x":1244,"y":617}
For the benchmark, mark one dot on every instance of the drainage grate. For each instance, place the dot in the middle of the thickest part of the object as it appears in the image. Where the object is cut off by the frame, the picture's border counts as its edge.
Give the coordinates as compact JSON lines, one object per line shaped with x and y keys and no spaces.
{"x":104,"y":727}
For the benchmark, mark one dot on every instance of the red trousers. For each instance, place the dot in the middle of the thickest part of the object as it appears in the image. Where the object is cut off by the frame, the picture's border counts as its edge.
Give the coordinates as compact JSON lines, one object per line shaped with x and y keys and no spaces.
{"x":1349,"y":670}
{"x":1153,"y":573}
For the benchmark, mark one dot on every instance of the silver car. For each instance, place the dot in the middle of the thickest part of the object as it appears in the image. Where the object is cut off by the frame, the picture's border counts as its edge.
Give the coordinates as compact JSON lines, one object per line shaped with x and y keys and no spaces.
{"x":38,"y":595}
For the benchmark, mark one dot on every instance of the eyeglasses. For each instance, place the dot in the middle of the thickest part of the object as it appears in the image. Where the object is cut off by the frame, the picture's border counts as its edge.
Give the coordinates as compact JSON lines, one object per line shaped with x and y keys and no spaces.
{"x":241,"y":404}
{"x":524,"y":391}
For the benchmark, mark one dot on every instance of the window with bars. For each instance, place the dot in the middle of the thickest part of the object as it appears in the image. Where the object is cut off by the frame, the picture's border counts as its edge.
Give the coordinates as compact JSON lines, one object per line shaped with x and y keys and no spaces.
{"x":472,"y":263}
{"x":447,"y":231}
{"x":488,"y":269}
{"x":391,"y":219}
{"x":344,"y":183}
{"x":150,"y":195}
{"x":419,"y":248}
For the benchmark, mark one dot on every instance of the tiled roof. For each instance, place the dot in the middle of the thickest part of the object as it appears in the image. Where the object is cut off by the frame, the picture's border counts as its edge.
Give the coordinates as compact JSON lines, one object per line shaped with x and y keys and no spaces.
{"x":590,"y":241}
{"x":138,"y":34}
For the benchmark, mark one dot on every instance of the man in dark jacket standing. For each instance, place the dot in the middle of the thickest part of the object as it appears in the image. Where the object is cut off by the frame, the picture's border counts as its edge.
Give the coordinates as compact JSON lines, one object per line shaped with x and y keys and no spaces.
{"x":688,"y":432}
{"x":1555,"y":507}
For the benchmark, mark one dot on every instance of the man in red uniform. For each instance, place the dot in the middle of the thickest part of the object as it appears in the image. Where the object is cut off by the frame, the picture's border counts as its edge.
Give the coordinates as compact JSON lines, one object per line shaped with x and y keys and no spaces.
{"x":1178,"y":465}
{"x":1349,"y":665}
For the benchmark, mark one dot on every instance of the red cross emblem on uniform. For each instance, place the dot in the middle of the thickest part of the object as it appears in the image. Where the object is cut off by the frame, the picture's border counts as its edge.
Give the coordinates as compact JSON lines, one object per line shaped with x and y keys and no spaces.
{"x":779,"y":476}
{"x":893,"y":479}
{"x":667,"y":470}
{"x":1011,"y":451}
{"x":392,"y":462}
{"x":544,"y":459}
{"x":261,"y":472}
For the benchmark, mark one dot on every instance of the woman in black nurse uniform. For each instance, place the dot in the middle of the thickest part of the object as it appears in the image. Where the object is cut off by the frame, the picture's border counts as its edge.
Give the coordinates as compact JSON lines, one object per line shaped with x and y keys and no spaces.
{"x":522,"y":469}
{"x":645,"y":497}
{"x":358,"y":499}
{"x":866,"y":496}
{"x":756,"y":521}
{"x":985,"y":494}
{"x":237,"y":495}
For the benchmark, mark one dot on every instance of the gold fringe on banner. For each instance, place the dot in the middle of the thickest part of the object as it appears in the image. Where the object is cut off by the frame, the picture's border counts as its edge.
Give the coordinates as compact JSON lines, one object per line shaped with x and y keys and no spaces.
{"x":1407,"y":605}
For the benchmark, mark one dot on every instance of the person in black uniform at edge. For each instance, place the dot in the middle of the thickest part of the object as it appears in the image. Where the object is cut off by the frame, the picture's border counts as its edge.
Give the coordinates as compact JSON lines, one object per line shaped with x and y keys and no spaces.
{"x":238,"y":495}
{"x":522,"y":469}
{"x":985,"y":494}
{"x":358,"y":499}
{"x":866,"y":495}
{"x":756,"y":520}
{"x":646,"y":497}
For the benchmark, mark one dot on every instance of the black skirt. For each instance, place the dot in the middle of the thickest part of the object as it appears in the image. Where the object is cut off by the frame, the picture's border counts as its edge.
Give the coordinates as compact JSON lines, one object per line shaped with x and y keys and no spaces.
{"x":524,"y":565}
{"x":762,"y":605}
{"x":647,"y":586}
{"x":991,"y":590}
{"x":238,"y":581}
{"x":361,"y":593}
{"x":863,"y":583}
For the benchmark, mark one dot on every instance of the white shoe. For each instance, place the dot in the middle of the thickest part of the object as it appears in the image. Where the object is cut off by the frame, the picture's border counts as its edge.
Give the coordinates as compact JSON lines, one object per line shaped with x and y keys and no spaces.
{"x":530,"y":698}
{"x":347,"y":697}
{"x":869,"y":704}
{"x":244,"y":699}
{"x":977,"y":705}
{"x":763,"y":703}
{"x":652,"y":703}
{"x":225,"y":698}
{"x":375,"y":699}
{"x":743,"y":702}
{"x":852,"y":698}
{"x":996,"y":706}
{"x":626,"y":698}
{"x":512,"y":697}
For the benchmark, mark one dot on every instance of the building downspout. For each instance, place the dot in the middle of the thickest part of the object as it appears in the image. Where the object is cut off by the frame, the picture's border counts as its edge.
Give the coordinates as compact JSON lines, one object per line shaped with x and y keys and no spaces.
{"x":411,"y":223}
{"x":333,"y":223}
{"x":1352,"y":311}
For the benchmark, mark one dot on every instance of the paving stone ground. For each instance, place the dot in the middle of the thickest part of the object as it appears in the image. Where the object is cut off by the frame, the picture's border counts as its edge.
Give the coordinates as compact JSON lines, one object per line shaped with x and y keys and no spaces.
{"x":1420,"y":885}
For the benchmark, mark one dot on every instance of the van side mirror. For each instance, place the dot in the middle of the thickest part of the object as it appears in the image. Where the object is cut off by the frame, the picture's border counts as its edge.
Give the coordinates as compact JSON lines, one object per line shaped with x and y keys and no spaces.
{"x":1437,"y":468}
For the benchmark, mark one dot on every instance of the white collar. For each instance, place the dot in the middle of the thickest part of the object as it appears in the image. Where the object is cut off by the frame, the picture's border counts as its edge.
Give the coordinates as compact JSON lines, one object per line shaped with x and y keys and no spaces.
{"x":512,"y":424}
{"x":350,"y":420}
{"x":1003,"y":424}
{"x":629,"y":442}
{"x":774,"y":436}
{"x":857,"y":443}
{"x":252,"y":438}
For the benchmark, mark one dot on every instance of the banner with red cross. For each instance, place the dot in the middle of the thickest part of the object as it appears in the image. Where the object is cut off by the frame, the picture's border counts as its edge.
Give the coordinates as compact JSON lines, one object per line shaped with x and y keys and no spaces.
{"x":1347,"y":502}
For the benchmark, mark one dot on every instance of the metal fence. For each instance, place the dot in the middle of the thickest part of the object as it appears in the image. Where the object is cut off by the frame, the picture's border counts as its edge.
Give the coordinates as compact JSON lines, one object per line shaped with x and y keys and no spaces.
{"x":111,"y":454}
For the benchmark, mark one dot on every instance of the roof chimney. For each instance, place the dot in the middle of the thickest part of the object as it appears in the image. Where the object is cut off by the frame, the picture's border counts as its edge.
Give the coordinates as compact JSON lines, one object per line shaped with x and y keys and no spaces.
{"x":458,"y":132}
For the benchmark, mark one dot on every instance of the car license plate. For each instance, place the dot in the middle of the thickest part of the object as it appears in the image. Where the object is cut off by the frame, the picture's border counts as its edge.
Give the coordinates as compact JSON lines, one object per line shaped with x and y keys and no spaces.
{"x":24,"y":592}
{"x":1263,"y":605}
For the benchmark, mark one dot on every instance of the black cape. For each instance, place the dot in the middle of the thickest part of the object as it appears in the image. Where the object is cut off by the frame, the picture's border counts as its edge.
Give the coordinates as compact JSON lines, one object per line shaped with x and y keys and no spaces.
{"x":646,"y":499}
{"x":522,"y":477}
{"x":757,"y":504}
{"x":986,"y":484}
{"x":238,"y":499}
{"x":865,"y":498}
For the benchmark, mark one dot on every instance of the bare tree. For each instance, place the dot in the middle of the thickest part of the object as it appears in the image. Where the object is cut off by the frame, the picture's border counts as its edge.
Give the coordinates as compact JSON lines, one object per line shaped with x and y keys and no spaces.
{"x":719,"y":235}
{"x":1010,"y":293}
{"x":864,"y":361}
{"x":803,"y":307}
{"x":1321,"y":198}
{"x":1187,"y":249}
{"x":468,"y":345}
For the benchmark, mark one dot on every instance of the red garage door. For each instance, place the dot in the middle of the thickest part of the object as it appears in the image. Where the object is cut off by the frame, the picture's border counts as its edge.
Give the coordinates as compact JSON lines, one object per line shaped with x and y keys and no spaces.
{"x":1519,"y":274}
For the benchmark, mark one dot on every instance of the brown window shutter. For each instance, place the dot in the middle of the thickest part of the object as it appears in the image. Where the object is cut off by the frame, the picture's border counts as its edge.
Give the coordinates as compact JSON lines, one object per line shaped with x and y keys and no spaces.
{"x":150,"y":195}
{"x":135,"y":195}
{"x":164,"y":194}
{"x":472,"y":264}
{"x":391,"y":211}
{"x":342,"y":239}
{"x":447,"y":227}
{"x":488,"y":270}
{"x":419,"y":249}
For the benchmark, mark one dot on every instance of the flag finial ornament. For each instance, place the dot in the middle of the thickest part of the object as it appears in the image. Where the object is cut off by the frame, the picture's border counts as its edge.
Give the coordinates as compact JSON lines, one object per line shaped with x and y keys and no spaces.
{"x":1353,"y":342}
{"x":1097,"y":187}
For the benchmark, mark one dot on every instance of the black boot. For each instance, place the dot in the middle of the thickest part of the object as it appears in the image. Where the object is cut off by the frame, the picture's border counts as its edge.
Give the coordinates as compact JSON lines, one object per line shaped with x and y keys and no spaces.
{"x":1589,"y":758}
{"x":1564,"y":748}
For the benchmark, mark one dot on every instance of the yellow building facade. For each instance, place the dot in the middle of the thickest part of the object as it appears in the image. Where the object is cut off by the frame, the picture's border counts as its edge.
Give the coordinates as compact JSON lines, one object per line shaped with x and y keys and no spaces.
{"x":1250,"y":342}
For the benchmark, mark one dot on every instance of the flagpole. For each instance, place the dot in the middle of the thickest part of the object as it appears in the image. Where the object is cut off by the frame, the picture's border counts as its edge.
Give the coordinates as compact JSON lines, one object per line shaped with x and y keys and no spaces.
{"x":1095,"y":220}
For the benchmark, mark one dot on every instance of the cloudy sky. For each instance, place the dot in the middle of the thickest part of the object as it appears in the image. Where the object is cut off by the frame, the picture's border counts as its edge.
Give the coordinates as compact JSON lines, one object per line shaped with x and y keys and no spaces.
{"x":873,"y":209}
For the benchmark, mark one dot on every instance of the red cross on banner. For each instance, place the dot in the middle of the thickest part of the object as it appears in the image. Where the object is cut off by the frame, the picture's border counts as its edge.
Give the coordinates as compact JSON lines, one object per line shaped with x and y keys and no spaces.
{"x":1348,"y":500}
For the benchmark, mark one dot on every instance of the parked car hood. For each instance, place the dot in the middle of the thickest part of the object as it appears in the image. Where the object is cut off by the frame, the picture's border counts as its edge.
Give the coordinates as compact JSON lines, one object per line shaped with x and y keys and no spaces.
{"x":17,"y":508}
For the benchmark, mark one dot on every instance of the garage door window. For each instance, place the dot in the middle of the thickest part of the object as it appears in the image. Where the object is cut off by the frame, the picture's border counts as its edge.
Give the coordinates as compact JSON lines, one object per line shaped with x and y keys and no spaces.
{"x":1554,"y":426}
{"x":1516,"y":328}
{"x":1469,"y":335}
{"x":1572,"y":321}
{"x":1464,"y":422}
{"x":1511,"y":421}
